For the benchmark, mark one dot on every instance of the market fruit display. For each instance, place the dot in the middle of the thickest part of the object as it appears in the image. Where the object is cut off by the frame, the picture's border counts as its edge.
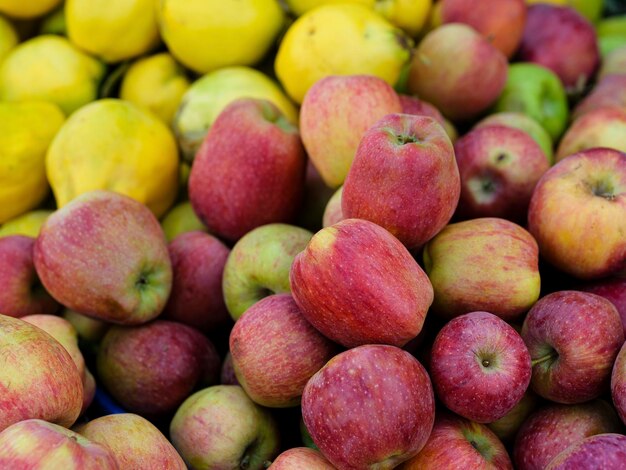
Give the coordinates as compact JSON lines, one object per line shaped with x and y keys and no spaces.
{"x":312,"y":234}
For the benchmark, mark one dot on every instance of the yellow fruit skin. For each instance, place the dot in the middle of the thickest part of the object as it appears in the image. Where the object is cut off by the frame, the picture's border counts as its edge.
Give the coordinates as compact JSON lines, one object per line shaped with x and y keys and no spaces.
{"x":114,"y":145}
{"x":27,"y":8}
{"x":50,"y":68}
{"x":156,"y":83}
{"x":27,"y":224}
{"x":590,"y":9}
{"x":209,"y":34}
{"x":8,"y":37}
{"x":181,"y":219}
{"x":26,"y":131}
{"x":300,"y":7}
{"x":113,"y":30}
{"x":343,"y":39}
{"x":210,"y":94}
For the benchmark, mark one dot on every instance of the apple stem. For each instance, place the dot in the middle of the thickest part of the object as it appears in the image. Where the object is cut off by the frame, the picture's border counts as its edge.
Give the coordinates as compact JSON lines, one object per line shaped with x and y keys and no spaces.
{"x":552,"y":355}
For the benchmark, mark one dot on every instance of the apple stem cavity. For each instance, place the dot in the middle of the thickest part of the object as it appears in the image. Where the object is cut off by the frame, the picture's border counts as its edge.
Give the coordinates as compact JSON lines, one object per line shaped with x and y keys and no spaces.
{"x":548,"y":357}
{"x":604,"y":189}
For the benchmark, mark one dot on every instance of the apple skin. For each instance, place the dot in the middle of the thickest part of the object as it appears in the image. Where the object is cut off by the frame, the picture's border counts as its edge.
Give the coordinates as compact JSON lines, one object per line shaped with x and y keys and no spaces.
{"x":220,"y":427}
{"x":562,"y":40}
{"x":480,"y":367}
{"x":32,"y":364}
{"x":553,"y":428}
{"x":456,"y":442}
{"x":605,"y":451}
{"x":333,"y":213}
{"x":150,"y":369}
{"x":618,"y":384}
{"x":250,"y":148}
{"x":577,"y":214}
{"x":613,"y":290}
{"x":458,"y":71}
{"x":227,"y":374}
{"x":573,"y":339}
{"x":22,"y":293}
{"x":104,"y":255}
{"x":38,"y":445}
{"x":507,"y":427}
{"x":135,"y":443}
{"x":335,"y":113}
{"x":371,"y":407}
{"x":275,"y":351}
{"x":538,"y":92}
{"x":501,"y":22}
{"x":608,"y":92}
{"x":404,"y":178}
{"x":499,"y":168}
{"x":354,"y":299}
{"x":486,"y":264}
{"x":89,"y":329}
{"x":259,"y":265}
{"x":413,"y":105}
{"x":613,"y":64}
{"x":196,"y":299}
{"x":301,"y":458}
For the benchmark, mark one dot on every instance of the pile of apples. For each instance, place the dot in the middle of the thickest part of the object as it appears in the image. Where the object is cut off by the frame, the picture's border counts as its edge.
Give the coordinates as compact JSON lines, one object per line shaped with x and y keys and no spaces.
{"x":431,"y":276}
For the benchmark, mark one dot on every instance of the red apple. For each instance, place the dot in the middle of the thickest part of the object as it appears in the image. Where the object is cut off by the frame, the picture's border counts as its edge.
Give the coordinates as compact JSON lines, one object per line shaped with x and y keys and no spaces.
{"x":371,"y":407}
{"x":249,"y":170}
{"x":404,"y":178}
{"x":602,"y":451}
{"x":577,"y":214}
{"x":507,"y":427}
{"x":499,"y":168}
{"x":275,"y":351}
{"x":301,"y":458}
{"x":413,"y":105}
{"x":573,"y":338}
{"x":612,"y":289}
{"x":227,"y":374}
{"x":354,"y":299}
{"x":618,"y":384}
{"x":609,"y":92}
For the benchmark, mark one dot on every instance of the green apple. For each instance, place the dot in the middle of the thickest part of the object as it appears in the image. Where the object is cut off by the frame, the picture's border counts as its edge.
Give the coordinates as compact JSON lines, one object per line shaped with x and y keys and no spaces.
{"x":181,"y":219}
{"x":611,"y":34}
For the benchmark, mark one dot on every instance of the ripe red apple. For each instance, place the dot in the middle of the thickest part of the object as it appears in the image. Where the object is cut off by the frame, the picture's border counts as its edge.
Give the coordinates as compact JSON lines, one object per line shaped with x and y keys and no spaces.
{"x":553,"y":428}
{"x":275,"y":351}
{"x":501,"y":22}
{"x":456,"y":442}
{"x":22,"y":293}
{"x":507,"y":427}
{"x":369,"y":407}
{"x":480,"y":366}
{"x":562,"y":40}
{"x":335,"y":113}
{"x":301,"y":458}
{"x":484,"y":264}
{"x":151,"y":369}
{"x":573,"y":338}
{"x":227,"y":374}
{"x":612,"y":289}
{"x":413,"y":105}
{"x":458,"y":71}
{"x":196,"y":299}
{"x":618,"y":384}
{"x":403,"y":178}
{"x":577,"y":214}
{"x":499,"y":168}
{"x":605,"y":451}
{"x":249,"y":170}
{"x":38,"y":377}
{"x":105,"y":255}
{"x":354,"y":299}
{"x":609,"y":92}
{"x":333,"y":213}
{"x":34,"y":444}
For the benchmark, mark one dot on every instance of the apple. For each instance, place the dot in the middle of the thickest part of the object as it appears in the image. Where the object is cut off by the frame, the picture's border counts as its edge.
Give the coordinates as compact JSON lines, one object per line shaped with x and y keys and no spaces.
{"x":486,"y":264}
{"x":553,"y":428}
{"x":538,"y":92}
{"x":371,"y":407}
{"x":35,"y":444}
{"x":602,"y":127}
{"x":573,"y":338}
{"x":227,"y":374}
{"x":501,"y":22}
{"x":249,"y":170}
{"x":275,"y":351}
{"x":38,"y":377}
{"x":413,"y":105}
{"x":220,"y":427}
{"x":456,"y":442}
{"x":458,"y":71}
{"x":562,"y":40}
{"x":301,"y":457}
{"x":196,"y":299}
{"x":259,"y":265}
{"x":499,"y":168}
{"x":104,"y":255}
{"x":614,"y":63}
{"x":612,"y":289}
{"x":605,"y":451}
{"x":355,"y":299}
{"x":150,"y":369}
{"x":577,"y":214}
{"x":404,"y":178}
{"x":316,"y":197}
{"x":480,"y":366}
{"x":525,"y":123}
{"x":507,"y":427}
{"x":333,"y":213}
{"x":335,"y":113}
{"x":134,"y":442}
{"x":22,"y":292}
{"x":608,"y":92}
{"x":89,"y":329}
{"x":618,"y":384}
{"x":181,"y":219}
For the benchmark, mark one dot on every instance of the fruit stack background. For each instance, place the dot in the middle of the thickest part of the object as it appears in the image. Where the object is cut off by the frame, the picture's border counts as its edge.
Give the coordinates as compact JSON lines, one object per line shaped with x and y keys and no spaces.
{"x":312,"y":234}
